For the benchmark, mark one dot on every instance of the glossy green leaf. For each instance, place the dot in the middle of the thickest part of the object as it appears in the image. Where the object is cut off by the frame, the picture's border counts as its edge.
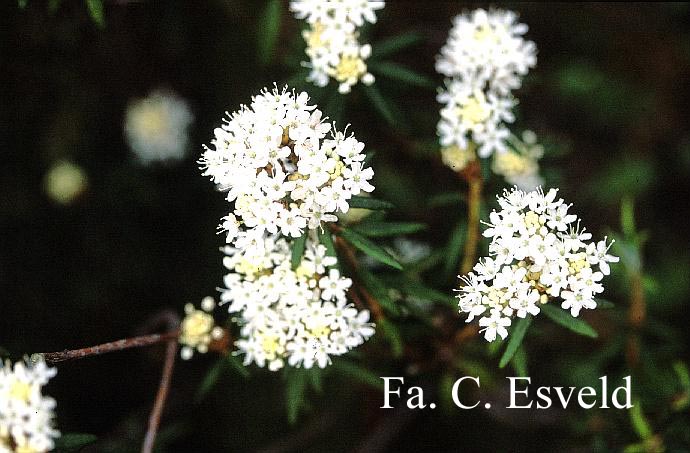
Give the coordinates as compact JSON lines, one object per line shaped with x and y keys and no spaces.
{"x":517,"y":334}
{"x":392,"y":334}
{"x":326,"y":239}
{"x":379,"y":291}
{"x":454,"y":250}
{"x":358,"y":373}
{"x":402,"y":74}
{"x":295,"y":390}
{"x":298,"y":249}
{"x":519,"y":362}
{"x":72,"y":442}
{"x":383,"y":229}
{"x":370,"y":248}
{"x":369,"y":203}
{"x":639,"y":421}
{"x":446,"y":199}
{"x":95,"y":8}
{"x":562,"y":317}
{"x":269,"y":29}
{"x":394,"y":44}
{"x":380,"y":104}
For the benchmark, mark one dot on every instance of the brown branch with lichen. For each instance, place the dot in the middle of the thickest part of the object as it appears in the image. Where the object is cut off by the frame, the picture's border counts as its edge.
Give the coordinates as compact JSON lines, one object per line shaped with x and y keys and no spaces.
{"x":119,"y":345}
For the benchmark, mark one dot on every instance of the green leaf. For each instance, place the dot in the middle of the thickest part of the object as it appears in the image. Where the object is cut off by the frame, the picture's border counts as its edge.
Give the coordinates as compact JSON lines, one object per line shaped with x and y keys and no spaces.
{"x":604,"y":304}
{"x":95,"y":8}
{"x":73,"y":442}
{"x":298,"y":249}
{"x":383,"y":229}
{"x":358,"y":373}
{"x":519,"y":362}
{"x":392,"y":334}
{"x":379,"y":291}
{"x":639,"y":422}
{"x":446,"y":199}
{"x":269,"y":28}
{"x":237,"y":365}
{"x":22,"y":3}
{"x":417,"y":289}
{"x":314,"y":375}
{"x":294,"y":394}
{"x":401,"y":73}
{"x":326,"y":238}
{"x":53,"y":6}
{"x":222,"y":365}
{"x":681,"y":371}
{"x":369,"y":203}
{"x":380,"y":104}
{"x":454,"y":249}
{"x":564,"y":318}
{"x":373,"y":250}
{"x":628,"y":217}
{"x":394,"y":44}
{"x":210,"y":380}
{"x":517,"y":334}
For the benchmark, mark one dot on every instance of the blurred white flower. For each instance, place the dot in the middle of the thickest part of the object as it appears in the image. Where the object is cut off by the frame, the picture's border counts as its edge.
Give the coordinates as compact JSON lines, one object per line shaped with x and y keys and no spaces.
{"x":65,"y":181}
{"x":157,"y":127}
{"x":519,"y":164}
{"x":26,"y":415}
{"x":539,"y":253}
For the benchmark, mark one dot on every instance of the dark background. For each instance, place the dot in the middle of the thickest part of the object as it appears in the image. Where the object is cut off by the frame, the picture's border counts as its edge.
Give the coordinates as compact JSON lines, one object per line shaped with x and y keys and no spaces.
{"x":609,"y":98}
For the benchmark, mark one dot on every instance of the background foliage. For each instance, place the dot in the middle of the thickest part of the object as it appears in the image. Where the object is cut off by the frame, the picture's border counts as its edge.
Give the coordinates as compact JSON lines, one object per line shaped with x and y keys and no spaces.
{"x":608,"y":98}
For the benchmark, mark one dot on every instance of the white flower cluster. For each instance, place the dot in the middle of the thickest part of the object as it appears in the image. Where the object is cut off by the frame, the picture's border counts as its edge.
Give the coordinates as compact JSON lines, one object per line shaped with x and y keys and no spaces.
{"x":280,"y":169}
{"x":538,"y":254}
{"x":333,"y":40}
{"x":157,"y":126}
{"x":198,"y":329}
{"x":485,"y":58}
{"x":26,"y":415}
{"x":299,"y":315}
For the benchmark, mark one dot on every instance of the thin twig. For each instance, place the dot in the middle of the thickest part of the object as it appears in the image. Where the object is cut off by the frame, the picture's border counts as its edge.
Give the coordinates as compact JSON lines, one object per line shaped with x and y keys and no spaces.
{"x":161,"y":396}
{"x":119,"y":345}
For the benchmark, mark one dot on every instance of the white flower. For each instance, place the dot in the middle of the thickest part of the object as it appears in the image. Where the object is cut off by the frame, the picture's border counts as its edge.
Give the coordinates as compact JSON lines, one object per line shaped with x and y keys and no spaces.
{"x":538,"y":253}
{"x":157,"y":126}
{"x":484,"y":59}
{"x":333,"y":40}
{"x":198,"y":329}
{"x":494,"y":324}
{"x":280,"y":170}
{"x":26,"y":415}
{"x":296,"y":316}
{"x":488,"y":47}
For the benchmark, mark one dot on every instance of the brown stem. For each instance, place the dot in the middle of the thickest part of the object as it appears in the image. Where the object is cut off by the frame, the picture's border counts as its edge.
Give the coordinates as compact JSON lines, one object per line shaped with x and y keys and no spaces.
{"x":119,"y":345}
{"x":161,"y":396}
{"x":472,"y":173}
